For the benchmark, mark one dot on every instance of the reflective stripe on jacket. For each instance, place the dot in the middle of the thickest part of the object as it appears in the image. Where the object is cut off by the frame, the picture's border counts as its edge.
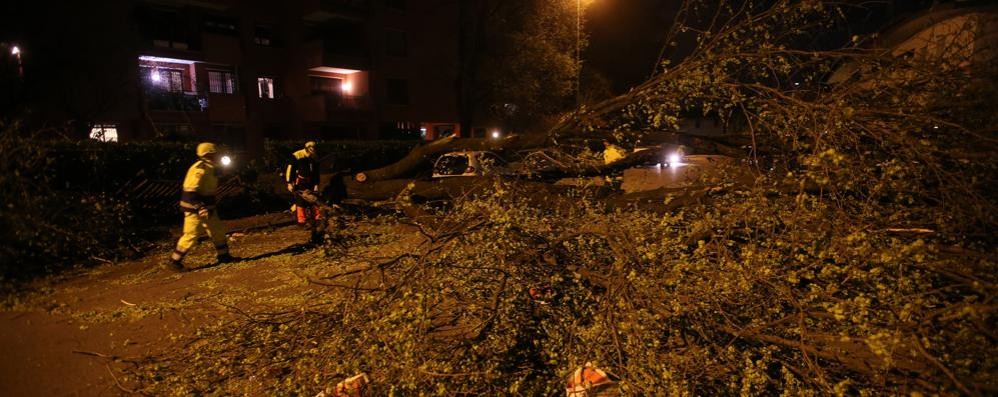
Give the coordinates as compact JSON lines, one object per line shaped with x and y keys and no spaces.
{"x":199,"y":187}
{"x":302,"y":170}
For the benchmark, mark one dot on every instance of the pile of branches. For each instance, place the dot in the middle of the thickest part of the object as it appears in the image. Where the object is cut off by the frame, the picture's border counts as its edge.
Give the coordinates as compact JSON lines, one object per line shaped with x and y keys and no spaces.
{"x":861,"y":260}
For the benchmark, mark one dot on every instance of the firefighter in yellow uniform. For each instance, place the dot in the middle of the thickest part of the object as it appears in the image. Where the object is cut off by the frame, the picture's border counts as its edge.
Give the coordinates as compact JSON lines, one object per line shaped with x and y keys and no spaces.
{"x":198,"y":203}
{"x":612,"y":153}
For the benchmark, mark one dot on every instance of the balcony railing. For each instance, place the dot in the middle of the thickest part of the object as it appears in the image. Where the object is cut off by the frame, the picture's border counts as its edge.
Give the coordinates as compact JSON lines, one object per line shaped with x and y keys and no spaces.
{"x":347,"y":102}
{"x":176,"y":101}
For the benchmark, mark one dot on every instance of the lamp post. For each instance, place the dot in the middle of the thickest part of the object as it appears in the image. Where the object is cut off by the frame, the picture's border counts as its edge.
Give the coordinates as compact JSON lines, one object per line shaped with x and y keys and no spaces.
{"x":16,"y":52}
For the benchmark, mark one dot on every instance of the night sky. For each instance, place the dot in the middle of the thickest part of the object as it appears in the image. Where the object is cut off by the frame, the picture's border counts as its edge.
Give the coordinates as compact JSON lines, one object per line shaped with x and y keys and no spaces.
{"x":626,"y":36}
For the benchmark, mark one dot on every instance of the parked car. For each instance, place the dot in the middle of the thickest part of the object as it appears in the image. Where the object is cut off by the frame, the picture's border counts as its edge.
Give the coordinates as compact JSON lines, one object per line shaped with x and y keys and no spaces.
{"x":469,"y":163}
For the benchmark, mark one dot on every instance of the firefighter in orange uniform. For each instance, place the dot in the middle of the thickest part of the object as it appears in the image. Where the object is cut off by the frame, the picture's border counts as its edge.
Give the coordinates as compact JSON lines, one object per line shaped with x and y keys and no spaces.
{"x":198,"y":203}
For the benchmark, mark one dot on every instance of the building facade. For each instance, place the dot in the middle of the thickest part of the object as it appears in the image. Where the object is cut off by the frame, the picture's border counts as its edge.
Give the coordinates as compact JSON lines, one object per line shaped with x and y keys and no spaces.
{"x":240,"y":72}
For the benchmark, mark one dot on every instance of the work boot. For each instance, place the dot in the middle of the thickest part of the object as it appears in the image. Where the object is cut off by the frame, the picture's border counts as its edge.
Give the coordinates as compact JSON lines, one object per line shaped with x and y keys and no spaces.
{"x":175,"y":266}
{"x":226,"y":258}
{"x":316,"y":238}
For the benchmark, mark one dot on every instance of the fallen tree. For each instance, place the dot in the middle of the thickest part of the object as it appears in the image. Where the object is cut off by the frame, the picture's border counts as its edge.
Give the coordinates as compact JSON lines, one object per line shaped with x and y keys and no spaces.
{"x":861,"y":259}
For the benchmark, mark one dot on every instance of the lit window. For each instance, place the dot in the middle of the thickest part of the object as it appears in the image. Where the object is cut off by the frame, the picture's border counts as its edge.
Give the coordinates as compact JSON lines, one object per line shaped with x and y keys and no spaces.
{"x":221,"y":82}
{"x":162,"y":78}
{"x":325,"y":85}
{"x":104,"y":132}
{"x":265,"y":87}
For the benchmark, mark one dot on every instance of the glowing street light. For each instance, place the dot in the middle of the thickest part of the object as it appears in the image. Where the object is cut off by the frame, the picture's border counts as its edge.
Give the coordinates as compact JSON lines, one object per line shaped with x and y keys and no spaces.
{"x":226,"y":161}
{"x":496,"y":134}
{"x":15,"y":51}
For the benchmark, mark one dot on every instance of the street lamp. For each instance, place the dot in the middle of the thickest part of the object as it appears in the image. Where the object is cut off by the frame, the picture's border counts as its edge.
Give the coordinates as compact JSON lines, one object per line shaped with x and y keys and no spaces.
{"x":16,"y":52}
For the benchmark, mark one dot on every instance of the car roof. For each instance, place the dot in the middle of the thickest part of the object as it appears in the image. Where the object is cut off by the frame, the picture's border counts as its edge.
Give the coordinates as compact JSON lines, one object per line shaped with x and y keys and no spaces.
{"x":467,"y":152}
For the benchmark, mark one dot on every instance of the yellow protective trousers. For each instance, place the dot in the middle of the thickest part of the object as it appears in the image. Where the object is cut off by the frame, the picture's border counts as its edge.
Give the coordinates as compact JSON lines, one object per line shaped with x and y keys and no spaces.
{"x":194,"y":228}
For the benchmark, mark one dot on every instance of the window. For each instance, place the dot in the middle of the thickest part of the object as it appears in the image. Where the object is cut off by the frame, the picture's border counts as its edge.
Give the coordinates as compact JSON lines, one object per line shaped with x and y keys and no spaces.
{"x":221,"y":25}
{"x":165,"y":27}
{"x":324,"y":85}
{"x":104,"y":132}
{"x":166,"y":79}
{"x":265,"y":87}
{"x":263,"y":35}
{"x":396,"y":43}
{"x":443,"y":130}
{"x":398,"y":92}
{"x":221,"y":82}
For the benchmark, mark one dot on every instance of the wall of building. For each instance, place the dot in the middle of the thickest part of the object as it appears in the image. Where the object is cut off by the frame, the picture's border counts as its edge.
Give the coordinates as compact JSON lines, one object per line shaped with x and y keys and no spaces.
{"x":344,"y":39}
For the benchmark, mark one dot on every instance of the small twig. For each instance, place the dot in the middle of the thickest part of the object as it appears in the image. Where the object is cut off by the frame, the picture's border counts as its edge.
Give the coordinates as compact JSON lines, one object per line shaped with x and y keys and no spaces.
{"x":949,"y":374}
{"x":95,"y":354}
{"x":117,"y":383}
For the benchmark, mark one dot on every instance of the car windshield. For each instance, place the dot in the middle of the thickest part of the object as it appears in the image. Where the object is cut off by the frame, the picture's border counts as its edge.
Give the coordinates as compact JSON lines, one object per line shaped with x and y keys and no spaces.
{"x":489,"y":162}
{"x":451,"y":165}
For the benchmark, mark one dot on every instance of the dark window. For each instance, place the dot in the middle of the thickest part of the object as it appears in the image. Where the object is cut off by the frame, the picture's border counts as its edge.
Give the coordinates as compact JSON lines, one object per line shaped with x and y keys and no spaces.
{"x":165,"y":27}
{"x":221,"y":82}
{"x":398,"y":92}
{"x":221,"y":25}
{"x":264,"y":35}
{"x":396,"y":43}
{"x":396,"y":5}
{"x":443,"y":130}
{"x":342,"y":37}
{"x":324,"y":85}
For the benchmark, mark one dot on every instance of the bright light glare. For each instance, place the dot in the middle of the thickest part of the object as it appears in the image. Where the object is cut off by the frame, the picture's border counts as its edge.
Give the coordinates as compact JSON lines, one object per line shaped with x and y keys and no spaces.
{"x":154,"y":76}
{"x":346,"y":87}
{"x":226,"y":161}
{"x":15,"y":50}
{"x":675,"y":158}
{"x":495,"y":134}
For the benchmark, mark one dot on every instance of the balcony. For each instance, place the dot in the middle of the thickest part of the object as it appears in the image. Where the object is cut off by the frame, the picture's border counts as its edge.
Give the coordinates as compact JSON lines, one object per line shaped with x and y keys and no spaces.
{"x":325,"y":10}
{"x":344,"y":103}
{"x":176,"y":101}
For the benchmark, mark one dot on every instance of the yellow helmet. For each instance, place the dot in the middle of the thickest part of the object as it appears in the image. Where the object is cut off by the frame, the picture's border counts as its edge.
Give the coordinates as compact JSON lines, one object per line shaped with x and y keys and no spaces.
{"x":206,"y":148}
{"x":310,"y":145}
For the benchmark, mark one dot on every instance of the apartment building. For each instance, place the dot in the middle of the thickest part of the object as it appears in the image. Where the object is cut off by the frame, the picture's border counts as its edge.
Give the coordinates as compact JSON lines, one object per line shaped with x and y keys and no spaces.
{"x":244,"y":71}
